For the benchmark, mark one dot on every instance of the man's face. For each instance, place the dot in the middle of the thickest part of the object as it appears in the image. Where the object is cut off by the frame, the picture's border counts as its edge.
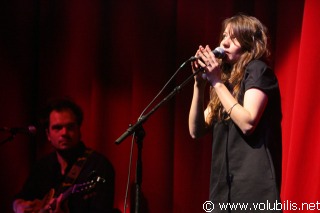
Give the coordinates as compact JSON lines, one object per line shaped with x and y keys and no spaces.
{"x":63,"y":131}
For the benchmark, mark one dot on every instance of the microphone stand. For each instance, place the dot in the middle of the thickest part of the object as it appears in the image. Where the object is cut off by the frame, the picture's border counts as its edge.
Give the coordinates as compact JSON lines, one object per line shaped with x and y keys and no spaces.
{"x":137,"y":128}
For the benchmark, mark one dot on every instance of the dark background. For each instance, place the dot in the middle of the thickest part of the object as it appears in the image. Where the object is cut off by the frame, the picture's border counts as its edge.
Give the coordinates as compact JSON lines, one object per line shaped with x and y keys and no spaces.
{"x":112,"y":57}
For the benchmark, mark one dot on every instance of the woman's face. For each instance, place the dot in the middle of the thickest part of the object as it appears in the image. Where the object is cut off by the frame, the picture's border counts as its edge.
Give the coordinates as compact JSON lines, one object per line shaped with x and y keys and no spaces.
{"x":231,"y":46}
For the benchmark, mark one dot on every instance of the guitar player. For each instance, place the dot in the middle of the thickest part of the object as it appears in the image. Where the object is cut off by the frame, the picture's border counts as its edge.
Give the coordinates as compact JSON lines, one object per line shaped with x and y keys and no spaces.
{"x":58,"y":182}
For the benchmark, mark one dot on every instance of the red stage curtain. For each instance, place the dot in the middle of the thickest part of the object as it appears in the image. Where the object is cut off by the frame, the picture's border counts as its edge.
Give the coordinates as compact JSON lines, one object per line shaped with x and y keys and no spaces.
{"x":297,"y":66}
{"x":112,"y":57}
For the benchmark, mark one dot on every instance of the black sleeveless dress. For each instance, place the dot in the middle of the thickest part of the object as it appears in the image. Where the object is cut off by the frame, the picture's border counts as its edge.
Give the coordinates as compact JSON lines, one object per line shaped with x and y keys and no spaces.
{"x":246,"y":170}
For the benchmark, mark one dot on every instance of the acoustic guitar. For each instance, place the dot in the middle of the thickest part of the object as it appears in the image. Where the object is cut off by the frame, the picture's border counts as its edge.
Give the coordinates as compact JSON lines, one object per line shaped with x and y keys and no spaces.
{"x":48,"y":204}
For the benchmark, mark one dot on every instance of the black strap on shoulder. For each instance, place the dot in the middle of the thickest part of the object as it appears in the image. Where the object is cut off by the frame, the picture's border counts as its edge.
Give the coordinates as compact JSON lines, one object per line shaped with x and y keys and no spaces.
{"x":75,"y":170}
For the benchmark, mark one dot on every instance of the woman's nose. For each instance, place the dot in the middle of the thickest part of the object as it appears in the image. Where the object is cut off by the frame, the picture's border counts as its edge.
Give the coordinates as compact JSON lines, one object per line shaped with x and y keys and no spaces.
{"x":225,"y":42}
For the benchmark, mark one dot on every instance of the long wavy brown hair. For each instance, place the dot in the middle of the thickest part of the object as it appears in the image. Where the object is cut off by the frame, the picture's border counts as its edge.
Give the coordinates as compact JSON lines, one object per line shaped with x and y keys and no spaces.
{"x":252,"y":36}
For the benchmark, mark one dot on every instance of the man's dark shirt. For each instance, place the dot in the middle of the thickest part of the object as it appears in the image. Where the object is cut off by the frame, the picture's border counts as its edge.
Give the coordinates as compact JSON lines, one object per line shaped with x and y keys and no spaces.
{"x":46,"y":174}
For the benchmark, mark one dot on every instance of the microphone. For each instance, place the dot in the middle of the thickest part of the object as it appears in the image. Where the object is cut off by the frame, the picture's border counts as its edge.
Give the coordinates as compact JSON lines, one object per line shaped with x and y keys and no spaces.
{"x":31,"y":130}
{"x":218,"y":53}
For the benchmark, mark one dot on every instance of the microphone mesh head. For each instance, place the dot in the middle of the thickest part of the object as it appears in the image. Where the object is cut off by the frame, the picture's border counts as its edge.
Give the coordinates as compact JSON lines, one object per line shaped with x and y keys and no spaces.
{"x":219,"y":52}
{"x":32,"y":129}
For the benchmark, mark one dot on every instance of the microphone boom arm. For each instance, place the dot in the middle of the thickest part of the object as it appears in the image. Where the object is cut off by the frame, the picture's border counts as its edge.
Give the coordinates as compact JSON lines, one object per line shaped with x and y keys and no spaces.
{"x":10,"y":138}
{"x":144,"y":118}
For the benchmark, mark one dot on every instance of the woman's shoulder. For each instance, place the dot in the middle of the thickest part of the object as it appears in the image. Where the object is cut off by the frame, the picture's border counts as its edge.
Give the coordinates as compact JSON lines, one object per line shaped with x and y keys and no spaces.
{"x":258,"y":68}
{"x":259,"y":75}
{"x":257,"y":64}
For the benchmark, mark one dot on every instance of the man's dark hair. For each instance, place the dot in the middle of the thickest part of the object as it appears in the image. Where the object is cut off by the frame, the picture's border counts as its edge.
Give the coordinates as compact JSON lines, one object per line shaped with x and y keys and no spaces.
{"x":60,"y":105}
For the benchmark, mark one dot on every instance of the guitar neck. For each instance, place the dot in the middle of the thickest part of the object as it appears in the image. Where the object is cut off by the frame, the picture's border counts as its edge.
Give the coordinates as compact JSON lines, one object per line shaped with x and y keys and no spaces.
{"x":67,"y":193}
